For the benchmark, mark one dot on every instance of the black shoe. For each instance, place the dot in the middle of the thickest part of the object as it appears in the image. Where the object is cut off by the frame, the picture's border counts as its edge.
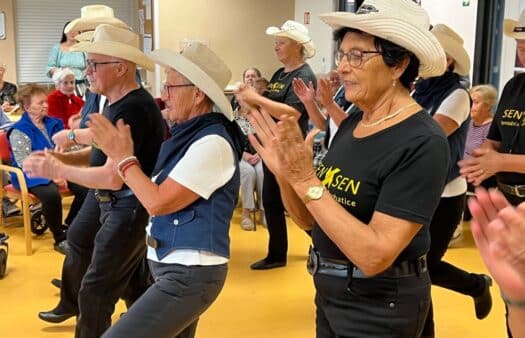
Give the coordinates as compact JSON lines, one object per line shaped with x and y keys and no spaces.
{"x":56,"y":282}
{"x":265,"y":264}
{"x":62,"y":247}
{"x":483,"y":302}
{"x":55,"y":316}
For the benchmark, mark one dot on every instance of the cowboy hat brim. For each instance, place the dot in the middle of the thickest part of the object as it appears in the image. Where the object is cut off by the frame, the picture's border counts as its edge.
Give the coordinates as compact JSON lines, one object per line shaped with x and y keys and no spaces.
{"x":422,"y":43}
{"x":303,"y":39}
{"x":116,"y":49}
{"x":80,"y":25}
{"x":508,"y":29}
{"x":170,"y":59}
{"x":457,"y":52}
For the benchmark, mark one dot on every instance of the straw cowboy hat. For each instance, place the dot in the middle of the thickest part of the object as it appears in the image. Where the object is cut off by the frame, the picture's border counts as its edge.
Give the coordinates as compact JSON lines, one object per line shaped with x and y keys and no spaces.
{"x":202,"y":67}
{"x":93,"y":15}
{"x":515,"y":29}
{"x":118,"y":42}
{"x":452,"y":43}
{"x":297,"y":32}
{"x":402,"y":22}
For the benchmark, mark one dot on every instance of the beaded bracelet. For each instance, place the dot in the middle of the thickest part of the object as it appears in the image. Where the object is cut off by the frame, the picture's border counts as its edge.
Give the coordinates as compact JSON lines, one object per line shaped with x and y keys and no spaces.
{"x":513,"y":303}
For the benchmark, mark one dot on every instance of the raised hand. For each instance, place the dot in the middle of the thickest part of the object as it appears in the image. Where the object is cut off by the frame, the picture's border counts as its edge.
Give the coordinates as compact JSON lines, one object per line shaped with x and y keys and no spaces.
{"x":305,"y":93}
{"x":114,"y":141}
{"x":324,"y":92}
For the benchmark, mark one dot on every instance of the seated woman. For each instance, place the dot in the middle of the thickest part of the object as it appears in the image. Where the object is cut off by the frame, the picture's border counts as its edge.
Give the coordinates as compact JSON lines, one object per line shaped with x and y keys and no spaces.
{"x":251,"y":165}
{"x":33,"y":132}
{"x":62,"y":102}
{"x":7,"y":92}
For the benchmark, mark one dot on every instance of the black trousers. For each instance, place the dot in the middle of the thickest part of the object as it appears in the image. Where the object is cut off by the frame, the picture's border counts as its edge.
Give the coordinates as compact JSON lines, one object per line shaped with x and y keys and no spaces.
{"x":275,"y":219}
{"x":106,"y":262}
{"x":49,"y":196}
{"x":446,"y":217}
{"x":172,"y":306}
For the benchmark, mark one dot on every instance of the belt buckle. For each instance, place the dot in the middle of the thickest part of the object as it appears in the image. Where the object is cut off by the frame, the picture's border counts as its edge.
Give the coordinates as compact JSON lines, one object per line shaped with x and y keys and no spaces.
{"x":151,"y":242}
{"x":103,"y":198}
{"x":312,"y":264}
{"x":517,"y":191}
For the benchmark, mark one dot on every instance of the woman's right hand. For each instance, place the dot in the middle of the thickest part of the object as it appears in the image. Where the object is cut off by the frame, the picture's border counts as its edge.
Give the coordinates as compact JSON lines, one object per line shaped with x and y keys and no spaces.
{"x":114,"y":141}
{"x":246,"y":94}
{"x":305,"y":93}
{"x":324,"y":92}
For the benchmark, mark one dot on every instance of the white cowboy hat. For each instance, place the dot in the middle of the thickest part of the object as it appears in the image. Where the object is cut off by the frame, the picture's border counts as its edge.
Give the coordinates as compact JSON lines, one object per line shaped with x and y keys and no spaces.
{"x":402,"y":22}
{"x":452,"y":43}
{"x":202,"y":67}
{"x":118,"y":42}
{"x":515,"y":29}
{"x":93,"y":15}
{"x":297,"y":32}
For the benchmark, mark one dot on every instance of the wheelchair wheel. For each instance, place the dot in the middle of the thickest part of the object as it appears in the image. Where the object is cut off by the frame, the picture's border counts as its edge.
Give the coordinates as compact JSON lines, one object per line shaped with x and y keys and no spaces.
{"x":3,"y":262}
{"x":38,"y":223}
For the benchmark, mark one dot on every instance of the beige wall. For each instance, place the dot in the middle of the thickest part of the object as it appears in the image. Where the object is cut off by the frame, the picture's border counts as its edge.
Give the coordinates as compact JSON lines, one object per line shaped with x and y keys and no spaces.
{"x":234,"y":29}
{"x":7,"y":46}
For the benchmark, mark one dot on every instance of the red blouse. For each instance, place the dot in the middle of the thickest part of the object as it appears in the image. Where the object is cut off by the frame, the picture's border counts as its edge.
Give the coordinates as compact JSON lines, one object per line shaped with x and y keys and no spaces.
{"x":62,"y":106}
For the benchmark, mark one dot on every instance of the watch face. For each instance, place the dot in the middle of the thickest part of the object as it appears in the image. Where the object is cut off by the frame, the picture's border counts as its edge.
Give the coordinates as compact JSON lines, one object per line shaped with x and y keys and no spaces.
{"x":316,"y":192}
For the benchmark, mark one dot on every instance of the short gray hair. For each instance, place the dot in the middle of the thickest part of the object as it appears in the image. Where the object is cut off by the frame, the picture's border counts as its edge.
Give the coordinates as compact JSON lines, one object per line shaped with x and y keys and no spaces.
{"x":60,"y":74}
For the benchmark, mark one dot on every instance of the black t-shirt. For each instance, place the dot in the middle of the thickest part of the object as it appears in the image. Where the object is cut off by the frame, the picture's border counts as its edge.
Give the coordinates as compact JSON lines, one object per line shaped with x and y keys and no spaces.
{"x":137,"y":109}
{"x":399,"y":171}
{"x":280,"y":89}
{"x":508,"y":125}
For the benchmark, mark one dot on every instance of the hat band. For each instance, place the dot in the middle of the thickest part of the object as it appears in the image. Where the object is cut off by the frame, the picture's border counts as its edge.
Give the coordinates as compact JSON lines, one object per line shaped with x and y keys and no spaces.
{"x":519,"y":29}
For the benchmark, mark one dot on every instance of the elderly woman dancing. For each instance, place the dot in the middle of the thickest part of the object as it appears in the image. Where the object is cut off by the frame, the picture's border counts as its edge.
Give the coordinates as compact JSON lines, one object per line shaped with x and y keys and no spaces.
{"x":370,"y":201}
{"x":190,"y":198}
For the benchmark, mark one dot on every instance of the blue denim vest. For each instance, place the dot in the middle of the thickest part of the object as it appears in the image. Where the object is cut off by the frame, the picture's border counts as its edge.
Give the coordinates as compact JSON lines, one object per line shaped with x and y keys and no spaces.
{"x":203,"y":225}
{"x":38,"y":142}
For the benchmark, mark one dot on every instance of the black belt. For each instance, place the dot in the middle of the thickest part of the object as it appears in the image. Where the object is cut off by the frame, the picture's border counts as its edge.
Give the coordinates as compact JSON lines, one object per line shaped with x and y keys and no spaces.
{"x":105,"y":196}
{"x":516,"y":190}
{"x":339,"y":268}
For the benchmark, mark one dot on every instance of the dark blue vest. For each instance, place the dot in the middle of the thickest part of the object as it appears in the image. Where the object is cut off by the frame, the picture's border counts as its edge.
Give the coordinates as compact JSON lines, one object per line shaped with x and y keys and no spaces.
{"x":203,"y":225}
{"x":38,"y":142}
{"x":430,"y":93}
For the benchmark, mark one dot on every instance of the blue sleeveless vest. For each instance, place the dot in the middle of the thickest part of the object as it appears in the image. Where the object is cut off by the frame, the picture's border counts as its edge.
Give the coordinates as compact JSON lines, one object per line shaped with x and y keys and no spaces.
{"x":38,"y":142}
{"x":203,"y":225}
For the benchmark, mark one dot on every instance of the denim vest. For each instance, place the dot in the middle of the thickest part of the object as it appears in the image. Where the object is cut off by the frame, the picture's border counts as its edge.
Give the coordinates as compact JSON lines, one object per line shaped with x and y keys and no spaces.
{"x":430,"y":93}
{"x":38,"y":142}
{"x":203,"y":225}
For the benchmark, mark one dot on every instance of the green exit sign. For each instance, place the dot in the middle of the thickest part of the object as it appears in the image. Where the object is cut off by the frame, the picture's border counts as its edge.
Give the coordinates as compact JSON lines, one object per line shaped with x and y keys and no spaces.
{"x":466,"y":3}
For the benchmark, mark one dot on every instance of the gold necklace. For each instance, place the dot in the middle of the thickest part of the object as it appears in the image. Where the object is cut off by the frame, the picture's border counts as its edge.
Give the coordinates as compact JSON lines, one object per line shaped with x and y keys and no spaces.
{"x":388,"y":117}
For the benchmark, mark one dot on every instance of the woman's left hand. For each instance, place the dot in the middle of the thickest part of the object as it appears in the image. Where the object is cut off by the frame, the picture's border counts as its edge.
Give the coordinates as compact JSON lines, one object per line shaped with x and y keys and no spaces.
{"x":281,"y":146}
{"x":246,"y":94}
{"x":114,"y":141}
{"x":482,"y":165}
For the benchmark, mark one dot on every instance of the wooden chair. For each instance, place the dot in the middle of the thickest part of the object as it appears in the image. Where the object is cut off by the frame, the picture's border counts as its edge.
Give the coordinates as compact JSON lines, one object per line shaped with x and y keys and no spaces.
{"x":27,"y":199}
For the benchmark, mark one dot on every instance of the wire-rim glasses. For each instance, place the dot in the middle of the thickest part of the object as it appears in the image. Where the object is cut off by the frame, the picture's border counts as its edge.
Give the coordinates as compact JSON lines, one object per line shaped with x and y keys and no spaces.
{"x":167,"y":88}
{"x":354,"y":57}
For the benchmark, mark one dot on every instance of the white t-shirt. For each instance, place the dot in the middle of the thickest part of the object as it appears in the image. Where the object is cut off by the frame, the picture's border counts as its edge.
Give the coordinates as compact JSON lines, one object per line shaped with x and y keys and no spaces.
{"x":208,"y":164}
{"x":456,"y":106}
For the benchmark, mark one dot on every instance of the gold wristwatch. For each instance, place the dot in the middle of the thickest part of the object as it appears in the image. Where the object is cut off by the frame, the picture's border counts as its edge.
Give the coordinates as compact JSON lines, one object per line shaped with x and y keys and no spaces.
{"x":314,"y":192}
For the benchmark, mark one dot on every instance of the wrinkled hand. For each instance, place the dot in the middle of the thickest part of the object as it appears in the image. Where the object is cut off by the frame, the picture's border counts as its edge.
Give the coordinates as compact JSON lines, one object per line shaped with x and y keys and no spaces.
{"x":114,"y":141}
{"x":499,"y":231}
{"x":62,"y":183}
{"x":324,"y":92}
{"x":246,"y":94}
{"x":305,"y":93}
{"x":42,"y":164}
{"x":482,"y":165}
{"x":281,"y":146}
{"x":254,"y":159}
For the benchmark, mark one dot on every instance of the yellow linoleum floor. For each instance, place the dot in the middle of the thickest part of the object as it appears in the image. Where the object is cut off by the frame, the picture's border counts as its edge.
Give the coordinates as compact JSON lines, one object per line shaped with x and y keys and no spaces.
{"x":254,"y":304}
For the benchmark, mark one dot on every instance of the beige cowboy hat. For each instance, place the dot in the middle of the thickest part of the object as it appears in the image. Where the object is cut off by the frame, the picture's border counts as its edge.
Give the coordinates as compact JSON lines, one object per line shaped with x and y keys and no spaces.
{"x":452,"y":43}
{"x":93,"y":15}
{"x":515,"y":29}
{"x":297,"y":32}
{"x":202,"y":67}
{"x":118,"y":42}
{"x":402,"y":22}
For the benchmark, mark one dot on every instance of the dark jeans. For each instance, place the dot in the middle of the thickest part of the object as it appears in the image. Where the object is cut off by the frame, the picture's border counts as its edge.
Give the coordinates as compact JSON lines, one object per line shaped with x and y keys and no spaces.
{"x":105,"y":263}
{"x":80,"y":193}
{"x":446,"y":217}
{"x":371,"y":307}
{"x":172,"y":305}
{"x":275,"y":219}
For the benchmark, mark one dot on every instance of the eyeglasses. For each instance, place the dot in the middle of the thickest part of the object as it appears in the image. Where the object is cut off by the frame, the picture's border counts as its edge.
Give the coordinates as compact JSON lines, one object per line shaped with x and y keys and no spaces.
{"x":354,"y":57}
{"x":167,"y":88}
{"x":94,"y":64}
